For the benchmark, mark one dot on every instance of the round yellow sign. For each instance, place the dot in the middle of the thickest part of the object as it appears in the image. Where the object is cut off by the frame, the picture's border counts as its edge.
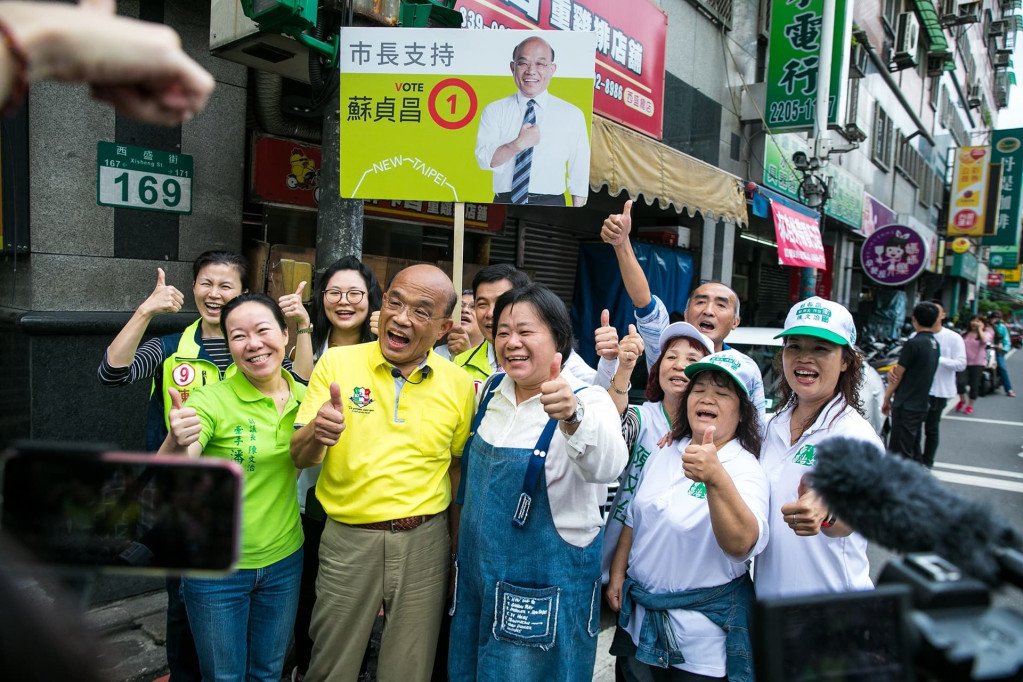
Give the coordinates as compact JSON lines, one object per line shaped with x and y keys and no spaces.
{"x":960,"y":245}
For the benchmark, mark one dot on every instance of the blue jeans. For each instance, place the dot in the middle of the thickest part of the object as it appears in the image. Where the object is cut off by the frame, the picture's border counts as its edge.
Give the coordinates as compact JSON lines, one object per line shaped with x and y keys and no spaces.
{"x":1003,"y":371}
{"x":242,"y":622}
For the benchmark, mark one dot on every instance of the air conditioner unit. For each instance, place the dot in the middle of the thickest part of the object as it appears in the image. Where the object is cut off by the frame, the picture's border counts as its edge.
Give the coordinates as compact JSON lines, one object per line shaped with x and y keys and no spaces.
{"x":858,"y":61}
{"x":969,"y":13}
{"x":973,"y":95}
{"x":235,"y":37}
{"x":949,"y":11}
{"x":996,"y":28}
{"x":1002,"y":59}
{"x":907,"y":38}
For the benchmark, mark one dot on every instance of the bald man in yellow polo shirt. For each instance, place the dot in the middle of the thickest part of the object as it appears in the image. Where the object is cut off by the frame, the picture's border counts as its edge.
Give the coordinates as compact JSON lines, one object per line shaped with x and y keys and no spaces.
{"x":388,"y":420}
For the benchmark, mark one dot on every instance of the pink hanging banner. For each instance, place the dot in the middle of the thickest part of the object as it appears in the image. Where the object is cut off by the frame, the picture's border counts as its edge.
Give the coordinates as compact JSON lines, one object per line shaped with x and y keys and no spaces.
{"x":799,"y":238}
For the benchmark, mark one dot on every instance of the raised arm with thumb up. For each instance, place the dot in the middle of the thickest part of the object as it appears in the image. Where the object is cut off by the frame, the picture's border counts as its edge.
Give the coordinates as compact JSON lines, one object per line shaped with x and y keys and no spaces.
{"x":700,"y":462}
{"x":556,"y":394}
{"x":330,"y":419}
{"x":185,"y":428}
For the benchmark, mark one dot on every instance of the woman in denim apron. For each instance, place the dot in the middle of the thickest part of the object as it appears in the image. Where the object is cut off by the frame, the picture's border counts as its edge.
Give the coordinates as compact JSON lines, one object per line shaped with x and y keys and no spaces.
{"x":543,"y":447}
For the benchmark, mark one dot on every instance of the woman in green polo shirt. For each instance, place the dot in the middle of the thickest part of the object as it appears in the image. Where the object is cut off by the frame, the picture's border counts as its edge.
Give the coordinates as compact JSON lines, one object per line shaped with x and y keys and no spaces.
{"x":242,"y":622}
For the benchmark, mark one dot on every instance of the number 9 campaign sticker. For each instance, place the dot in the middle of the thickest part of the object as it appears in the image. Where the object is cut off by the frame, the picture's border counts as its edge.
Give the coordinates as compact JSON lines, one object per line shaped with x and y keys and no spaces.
{"x":184,"y":374}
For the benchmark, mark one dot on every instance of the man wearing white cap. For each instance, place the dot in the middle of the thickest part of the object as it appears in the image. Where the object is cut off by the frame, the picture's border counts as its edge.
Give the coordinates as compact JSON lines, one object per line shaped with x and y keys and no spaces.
{"x":713,"y":308}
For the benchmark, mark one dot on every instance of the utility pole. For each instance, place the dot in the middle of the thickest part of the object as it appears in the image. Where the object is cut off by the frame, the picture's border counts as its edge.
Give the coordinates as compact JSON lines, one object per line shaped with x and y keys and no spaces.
{"x":339,"y":223}
{"x":821,"y":143}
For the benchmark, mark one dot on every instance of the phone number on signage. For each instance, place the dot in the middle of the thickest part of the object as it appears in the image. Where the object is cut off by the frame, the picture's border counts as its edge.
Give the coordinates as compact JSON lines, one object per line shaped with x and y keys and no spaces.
{"x":471,"y":19}
{"x":789,"y":110}
{"x":611,"y":88}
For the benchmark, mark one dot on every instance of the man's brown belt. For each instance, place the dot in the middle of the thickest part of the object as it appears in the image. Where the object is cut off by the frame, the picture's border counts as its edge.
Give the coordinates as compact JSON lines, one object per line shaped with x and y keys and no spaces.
{"x":396,"y":525}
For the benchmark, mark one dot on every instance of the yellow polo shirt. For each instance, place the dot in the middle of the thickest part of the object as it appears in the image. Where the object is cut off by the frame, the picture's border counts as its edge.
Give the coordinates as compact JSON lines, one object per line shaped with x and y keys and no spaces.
{"x":392,"y":458}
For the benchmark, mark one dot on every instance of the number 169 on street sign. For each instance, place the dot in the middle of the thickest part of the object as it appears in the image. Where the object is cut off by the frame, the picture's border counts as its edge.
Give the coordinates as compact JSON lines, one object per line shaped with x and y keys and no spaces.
{"x":147,"y":179}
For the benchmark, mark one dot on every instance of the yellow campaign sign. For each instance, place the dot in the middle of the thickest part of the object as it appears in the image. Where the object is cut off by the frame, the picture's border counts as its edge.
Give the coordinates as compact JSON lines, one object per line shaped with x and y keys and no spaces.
{"x":969,"y":192}
{"x":460,"y":115}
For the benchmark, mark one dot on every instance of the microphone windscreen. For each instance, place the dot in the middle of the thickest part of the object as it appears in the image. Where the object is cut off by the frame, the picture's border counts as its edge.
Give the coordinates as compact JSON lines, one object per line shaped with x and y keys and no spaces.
{"x":901,"y":505}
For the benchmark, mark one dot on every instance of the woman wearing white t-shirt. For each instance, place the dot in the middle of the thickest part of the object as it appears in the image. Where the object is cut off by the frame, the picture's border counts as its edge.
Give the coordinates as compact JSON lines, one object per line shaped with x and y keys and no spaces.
{"x":679,"y":576}
{"x":811,"y":551}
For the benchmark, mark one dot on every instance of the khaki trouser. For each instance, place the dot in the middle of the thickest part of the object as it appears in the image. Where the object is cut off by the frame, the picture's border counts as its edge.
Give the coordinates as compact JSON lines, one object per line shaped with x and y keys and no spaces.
{"x":361,"y":569}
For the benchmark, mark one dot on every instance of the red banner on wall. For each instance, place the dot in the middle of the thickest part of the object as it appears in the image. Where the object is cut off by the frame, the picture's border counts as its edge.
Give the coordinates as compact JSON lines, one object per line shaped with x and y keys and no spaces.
{"x":799,"y":238}
{"x":629,"y":82}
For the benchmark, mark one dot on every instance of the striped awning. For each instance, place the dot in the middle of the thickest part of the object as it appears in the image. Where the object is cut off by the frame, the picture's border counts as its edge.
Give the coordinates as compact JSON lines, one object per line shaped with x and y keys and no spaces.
{"x":623,"y":160}
{"x":936,"y":42}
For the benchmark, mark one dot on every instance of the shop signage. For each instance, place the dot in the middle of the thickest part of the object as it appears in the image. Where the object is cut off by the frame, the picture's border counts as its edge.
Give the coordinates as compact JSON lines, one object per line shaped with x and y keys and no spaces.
{"x":823,"y":287}
{"x":628,"y":85}
{"x":960,"y":245}
{"x":965,"y":266}
{"x":1007,"y":151}
{"x":969,"y":192}
{"x":875,"y":215}
{"x":1003,"y":257}
{"x":995,"y":279}
{"x":478,"y":217}
{"x":894,"y":255}
{"x":425,"y":114}
{"x":1011,"y":276}
{"x":286,"y":172}
{"x":147,"y":179}
{"x":792,"y":64}
{"x":846,"y":194}
{"x":799,"y":238}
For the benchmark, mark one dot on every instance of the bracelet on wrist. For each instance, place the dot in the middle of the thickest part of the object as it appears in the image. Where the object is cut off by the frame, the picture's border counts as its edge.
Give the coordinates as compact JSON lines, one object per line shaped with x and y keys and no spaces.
{"x":829,"y":522}
{"x":307,"y":330}
{"x":19,"y":84}
{"x":618,"y":390}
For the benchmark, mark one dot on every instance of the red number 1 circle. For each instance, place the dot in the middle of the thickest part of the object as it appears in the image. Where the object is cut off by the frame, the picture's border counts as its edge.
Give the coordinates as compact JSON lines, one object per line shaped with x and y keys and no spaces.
{"x":464,"y":87}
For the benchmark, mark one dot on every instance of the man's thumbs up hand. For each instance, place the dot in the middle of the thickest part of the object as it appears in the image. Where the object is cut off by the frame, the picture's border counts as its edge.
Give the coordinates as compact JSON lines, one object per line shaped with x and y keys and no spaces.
{"x":329,"y":423}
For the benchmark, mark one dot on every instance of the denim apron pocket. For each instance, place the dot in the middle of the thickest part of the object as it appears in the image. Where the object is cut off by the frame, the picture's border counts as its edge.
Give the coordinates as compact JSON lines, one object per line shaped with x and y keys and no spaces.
{"x":526,"y":616}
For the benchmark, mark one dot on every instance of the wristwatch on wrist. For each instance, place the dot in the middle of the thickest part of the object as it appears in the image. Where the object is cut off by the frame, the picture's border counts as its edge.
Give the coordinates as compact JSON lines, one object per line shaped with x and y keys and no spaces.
{"x":577,"y":416}
{"x":307,"y":330}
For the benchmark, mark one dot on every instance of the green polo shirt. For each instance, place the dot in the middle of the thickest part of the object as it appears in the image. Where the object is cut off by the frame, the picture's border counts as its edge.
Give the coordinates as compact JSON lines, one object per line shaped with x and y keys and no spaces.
{"x":241,"y":424}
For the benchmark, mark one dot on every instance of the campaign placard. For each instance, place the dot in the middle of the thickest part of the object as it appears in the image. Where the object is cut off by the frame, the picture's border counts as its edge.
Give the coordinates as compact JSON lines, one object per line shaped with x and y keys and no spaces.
{"x":466,"y":115}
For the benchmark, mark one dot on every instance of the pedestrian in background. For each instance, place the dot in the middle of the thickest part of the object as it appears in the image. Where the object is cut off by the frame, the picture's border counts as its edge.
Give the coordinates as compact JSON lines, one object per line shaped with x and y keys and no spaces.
{"x":242,"y":622}
{"x":463,"y":336}
{"x":907,"y":397}
{"x":1002,"y":346}
{"x":976,"y":340}
{"x":952,"y":359}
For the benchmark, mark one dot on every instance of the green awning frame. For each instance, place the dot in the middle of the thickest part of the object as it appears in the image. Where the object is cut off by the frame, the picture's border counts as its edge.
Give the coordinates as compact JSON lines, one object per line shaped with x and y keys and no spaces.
{"x":936,"y":42}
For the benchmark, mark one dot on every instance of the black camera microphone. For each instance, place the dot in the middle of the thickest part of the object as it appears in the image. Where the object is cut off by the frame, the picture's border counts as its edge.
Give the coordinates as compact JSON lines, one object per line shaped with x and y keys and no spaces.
{"x":900,"y":505}
{"x":424,"y":374}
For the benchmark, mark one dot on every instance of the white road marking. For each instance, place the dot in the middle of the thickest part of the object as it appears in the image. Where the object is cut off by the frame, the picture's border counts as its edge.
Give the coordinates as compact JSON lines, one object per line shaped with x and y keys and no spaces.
{"x":986,"y":421}
{"x":979,"y":482}
{"x":978,"y":470}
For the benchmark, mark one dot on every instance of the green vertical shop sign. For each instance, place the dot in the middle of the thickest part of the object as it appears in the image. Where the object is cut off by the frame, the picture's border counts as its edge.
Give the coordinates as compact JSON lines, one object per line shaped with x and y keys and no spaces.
{"x":1007,"y":150}
{"x":794,"y":60}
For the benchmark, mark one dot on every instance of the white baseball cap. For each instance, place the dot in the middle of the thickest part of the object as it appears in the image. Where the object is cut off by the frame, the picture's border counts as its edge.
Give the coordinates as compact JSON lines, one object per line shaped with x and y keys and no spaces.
{"x":677,"y":329}
{"x":822,"y":318}
{"x":731,"y":362}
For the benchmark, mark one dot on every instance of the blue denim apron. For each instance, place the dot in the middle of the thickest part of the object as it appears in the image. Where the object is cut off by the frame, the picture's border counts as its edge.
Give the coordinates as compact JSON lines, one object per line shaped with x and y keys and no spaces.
{"x":527,"y":603}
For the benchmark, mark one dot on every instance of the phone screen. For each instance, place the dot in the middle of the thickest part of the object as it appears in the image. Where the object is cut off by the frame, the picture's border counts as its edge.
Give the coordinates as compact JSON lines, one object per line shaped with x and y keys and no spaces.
{"x":109,"y":510}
